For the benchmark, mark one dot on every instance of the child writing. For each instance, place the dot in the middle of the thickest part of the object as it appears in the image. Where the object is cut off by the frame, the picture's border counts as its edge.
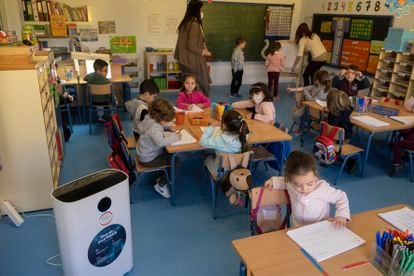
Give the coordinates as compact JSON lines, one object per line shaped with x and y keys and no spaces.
{"x":310,"y":196}
{"x":340,"y":110}
{"x":230,"y":138}
{"x":189,"y":95}
{"x":350,"y":80}
{"x":275,"y":61}
{"x":260,"y":104}
{"x":237,"y":63}
{"x":317,"y":91}
{"x":153,"y":139}
{"x":407,"y":143}
{"x":99,"y":77}
{"x":138,"y":108}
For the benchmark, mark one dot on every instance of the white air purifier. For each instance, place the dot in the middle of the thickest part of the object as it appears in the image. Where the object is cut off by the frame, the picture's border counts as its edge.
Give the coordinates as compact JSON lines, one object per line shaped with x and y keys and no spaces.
{"x":93,"y":221}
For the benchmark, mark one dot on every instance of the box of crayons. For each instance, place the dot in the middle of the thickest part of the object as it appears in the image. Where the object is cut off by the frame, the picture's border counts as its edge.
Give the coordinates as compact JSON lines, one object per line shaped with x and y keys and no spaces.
{"x":393,"y":253}
{"x":217,"y":110}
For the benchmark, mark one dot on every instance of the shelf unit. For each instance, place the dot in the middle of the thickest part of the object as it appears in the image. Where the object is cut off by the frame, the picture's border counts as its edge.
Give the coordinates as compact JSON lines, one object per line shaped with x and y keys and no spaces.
{"x":162,"y":67}
{"x":29,"y":145}
{"x":394,"y":77}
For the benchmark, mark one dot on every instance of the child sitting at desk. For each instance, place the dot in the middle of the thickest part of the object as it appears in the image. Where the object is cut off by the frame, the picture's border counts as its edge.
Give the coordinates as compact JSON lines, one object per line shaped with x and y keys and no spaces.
{"x":99,"y":77}
{"x":189,"y":95}
{"x":350,"y":80}
{"x":310,"y":196}
{"x":340,"y":110}
{"x":231,"y":138}
{"x":153,"y":139}
{"x":407,"y":142}
{"x":317,"y":91}
{"x":138,"y":108}
{"x":260,"y":104}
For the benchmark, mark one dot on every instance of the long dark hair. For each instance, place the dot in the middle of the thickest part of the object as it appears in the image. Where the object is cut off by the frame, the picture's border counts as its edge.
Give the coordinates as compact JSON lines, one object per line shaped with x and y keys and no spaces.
{"x":232,"y":122}
{"x":273,"y":47}
{"x":299,"y":163}
{"x":193,"y":12}
{"x":301,"y":31}
{"x":260,"y":87}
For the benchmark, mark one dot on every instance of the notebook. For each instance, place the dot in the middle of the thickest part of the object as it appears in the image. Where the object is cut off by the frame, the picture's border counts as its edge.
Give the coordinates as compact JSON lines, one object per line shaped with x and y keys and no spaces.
{"x":186,"y":138}
{"x":406,"y":120}
{"x":323,"y":241}
{"x":403,"y":219}
{"x":370,"y":121}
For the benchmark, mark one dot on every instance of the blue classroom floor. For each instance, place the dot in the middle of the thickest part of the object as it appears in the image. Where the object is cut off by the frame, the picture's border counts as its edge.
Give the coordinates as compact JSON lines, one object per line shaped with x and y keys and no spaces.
{"x":183,"y":240}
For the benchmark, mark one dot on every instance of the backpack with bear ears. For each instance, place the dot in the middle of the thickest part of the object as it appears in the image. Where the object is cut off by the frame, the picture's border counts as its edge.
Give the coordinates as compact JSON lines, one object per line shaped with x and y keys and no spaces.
{"x":238,"y":180}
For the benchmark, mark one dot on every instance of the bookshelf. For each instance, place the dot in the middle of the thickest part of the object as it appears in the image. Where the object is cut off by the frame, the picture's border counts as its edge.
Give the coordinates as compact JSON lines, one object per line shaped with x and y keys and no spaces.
{"x":394,"y":77}
{"x":162,"y":67}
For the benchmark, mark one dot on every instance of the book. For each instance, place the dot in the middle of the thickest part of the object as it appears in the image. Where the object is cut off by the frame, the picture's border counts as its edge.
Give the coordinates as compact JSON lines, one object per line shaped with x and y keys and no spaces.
{"x":58,"y":25}
{"x":370,"y":121}
{"x":323,"y":241}
{"x":406,"y":120}
{"x":186,"y":138}
{"x":403,"y":219}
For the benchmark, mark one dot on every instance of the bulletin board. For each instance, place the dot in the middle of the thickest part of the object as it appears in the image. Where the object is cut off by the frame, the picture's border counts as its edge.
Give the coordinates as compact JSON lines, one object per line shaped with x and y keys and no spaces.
{"x":352,"y":39}
{"x":223,"y":22}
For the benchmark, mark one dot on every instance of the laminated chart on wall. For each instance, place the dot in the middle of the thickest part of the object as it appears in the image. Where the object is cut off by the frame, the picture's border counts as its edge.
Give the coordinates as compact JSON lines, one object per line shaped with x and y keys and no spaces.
{"x":278,"y":22}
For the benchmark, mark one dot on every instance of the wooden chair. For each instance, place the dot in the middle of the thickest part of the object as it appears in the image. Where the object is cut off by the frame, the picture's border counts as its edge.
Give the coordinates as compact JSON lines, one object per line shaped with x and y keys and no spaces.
{"x":100,"y":90}
{"x":223,"y":169}
{"x":344,"y":151}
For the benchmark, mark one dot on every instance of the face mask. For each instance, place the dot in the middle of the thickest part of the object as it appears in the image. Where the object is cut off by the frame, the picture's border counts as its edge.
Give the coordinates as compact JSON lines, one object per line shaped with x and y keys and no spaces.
{"x":201,"y":15}
{"x":258,"y":99}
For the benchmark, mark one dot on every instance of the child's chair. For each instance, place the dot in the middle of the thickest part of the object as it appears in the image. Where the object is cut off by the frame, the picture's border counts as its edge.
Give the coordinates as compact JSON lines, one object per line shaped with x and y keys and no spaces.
{"x":343,"y":151}
{"x":223,"y":169}
{"x":99,"y":90}
{"x":130,"y":140}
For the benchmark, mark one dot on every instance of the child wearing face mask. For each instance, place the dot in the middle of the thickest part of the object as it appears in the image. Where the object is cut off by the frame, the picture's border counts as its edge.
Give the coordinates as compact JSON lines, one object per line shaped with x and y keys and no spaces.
{"x":190,"y":96}
{"x":310,"y":196}
{"x":153,"y":139}
{"x":260,"y":104}
{"x":350,"y":80}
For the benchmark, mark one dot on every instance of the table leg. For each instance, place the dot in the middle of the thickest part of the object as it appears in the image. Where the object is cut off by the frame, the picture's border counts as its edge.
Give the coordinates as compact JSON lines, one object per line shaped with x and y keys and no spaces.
{"x":173,"y":157}
{"x":367,"y":148}
{"x":306,"y":122}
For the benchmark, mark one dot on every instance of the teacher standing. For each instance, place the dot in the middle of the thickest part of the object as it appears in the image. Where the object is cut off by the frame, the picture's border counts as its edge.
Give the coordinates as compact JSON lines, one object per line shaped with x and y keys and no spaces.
{"x":311,"y":43}
{"x":191,"y":50}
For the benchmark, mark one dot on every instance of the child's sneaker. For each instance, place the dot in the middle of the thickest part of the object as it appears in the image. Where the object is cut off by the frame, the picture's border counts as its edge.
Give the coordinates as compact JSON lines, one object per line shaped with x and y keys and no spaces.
{"x":162,"y":190}
{"x":298,"y":132}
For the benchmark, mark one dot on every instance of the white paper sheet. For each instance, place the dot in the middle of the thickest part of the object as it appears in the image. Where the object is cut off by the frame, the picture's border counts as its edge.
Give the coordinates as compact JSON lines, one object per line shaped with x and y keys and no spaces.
{"x":321,"y":103}
{"x":186,"y":138}
{"x":323,"y":241}
{"x":406,"y":120}
{"x":194,"y":109}
{"x":403,"y":219}
{"x":370,"y":121}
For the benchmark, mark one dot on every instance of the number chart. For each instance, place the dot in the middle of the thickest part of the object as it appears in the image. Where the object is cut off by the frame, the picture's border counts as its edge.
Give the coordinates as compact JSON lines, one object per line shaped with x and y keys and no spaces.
{"x":352,"y":6}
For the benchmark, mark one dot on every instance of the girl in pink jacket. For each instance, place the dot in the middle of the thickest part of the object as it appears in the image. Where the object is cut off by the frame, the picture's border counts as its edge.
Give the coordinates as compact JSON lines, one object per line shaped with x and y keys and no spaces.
{"x":260,"y":104}
{"x":275,"y":61}
{"x":189,"y":96}
{"x":310,"y":196}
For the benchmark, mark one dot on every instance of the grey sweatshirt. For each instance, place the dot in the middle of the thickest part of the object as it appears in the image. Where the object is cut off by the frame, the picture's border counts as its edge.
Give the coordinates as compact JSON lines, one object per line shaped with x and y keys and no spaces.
{"x":153,"y":139}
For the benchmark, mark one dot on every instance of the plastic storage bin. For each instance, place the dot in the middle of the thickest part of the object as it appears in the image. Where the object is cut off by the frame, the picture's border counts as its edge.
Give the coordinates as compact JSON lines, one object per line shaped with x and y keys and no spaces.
{"x":93,"y":221}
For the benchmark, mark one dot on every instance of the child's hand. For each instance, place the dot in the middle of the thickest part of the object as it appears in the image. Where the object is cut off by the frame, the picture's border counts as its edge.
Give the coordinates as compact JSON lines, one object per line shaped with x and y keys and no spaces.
{"x":200,"y":105}
{"x":190,"y":107}
{"x":290,"y":90}
{"x":269,"y":184}
{"x":358,"y":74}
{"x":343,"y":72}
{"x":339,"y":222}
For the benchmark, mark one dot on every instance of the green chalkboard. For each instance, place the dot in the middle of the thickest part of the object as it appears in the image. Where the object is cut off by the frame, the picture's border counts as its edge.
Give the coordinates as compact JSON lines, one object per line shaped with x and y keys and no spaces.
{"x":223,"y":22}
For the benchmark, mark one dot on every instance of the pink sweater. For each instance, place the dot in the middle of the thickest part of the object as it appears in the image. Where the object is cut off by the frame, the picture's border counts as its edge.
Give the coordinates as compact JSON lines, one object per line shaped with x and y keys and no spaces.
{"x":265,"y":111}
{"x":275,"y":62}
{"x":314,"y":206}
{"x":196,"y":97}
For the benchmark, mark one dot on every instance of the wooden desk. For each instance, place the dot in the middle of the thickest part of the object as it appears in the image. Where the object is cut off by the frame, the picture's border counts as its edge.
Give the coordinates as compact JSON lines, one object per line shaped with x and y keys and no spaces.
{"x":276,"y":254}
{"x":260,"y":133}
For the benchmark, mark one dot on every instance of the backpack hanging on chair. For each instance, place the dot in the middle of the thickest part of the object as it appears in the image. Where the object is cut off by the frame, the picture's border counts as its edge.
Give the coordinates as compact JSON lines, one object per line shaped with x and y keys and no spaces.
{"x":238,"y":180}
{"x":324,"y":148}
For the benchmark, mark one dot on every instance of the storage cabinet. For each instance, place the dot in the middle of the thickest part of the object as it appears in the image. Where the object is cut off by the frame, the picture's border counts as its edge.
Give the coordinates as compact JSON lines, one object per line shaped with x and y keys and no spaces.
{"x":28,"y":140}
{"x":165,"y":71}
{"x":394,"y":77}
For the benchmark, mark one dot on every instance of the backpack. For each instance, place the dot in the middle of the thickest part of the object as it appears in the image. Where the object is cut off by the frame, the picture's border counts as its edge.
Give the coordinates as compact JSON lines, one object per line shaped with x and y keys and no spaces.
{"x":324,"y":148}
{"x":238,"y":181}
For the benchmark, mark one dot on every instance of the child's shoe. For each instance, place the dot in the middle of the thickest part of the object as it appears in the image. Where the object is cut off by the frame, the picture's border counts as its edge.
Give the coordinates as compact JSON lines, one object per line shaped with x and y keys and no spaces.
{"x":395,"y":168}
{"x":162,"y":190}
{"x":298,"y":132}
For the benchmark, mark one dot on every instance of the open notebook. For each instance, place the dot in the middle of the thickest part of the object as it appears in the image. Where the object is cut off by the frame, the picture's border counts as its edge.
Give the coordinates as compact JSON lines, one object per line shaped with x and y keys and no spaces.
{"x":186,"y":138}
{"x":406,"y":120}
{"x":370,"y":121}
{"x":403,"y":219}
{"x":323,"y":241}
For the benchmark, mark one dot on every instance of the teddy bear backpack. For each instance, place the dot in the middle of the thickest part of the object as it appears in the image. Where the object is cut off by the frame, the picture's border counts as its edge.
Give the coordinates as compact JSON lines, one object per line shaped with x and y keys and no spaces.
{"x":239,"y":179}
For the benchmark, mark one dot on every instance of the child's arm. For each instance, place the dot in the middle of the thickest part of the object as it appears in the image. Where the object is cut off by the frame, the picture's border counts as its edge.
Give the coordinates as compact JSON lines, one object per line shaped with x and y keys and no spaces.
{"x":282,"y":61}
{"x":339,"y":198}
{"x":295,"y":89}
{"x":181,"y":101}
{"x":243,"y":104}
{"x":267,"y":60}
{"x":362,"y":81}
{"x":203,"y":101}
{"x":163,"y":138}
{"x":336,"y":80}
{"x":206,"y":140}
{"x":409,"y":104}
{"x":267,"y":114}
{"x":276,"y":183}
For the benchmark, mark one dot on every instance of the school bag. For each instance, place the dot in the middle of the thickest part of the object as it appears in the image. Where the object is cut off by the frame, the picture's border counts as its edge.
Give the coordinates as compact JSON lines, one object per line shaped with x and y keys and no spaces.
{"x":324,"y":148}
{"x":237,"y":183}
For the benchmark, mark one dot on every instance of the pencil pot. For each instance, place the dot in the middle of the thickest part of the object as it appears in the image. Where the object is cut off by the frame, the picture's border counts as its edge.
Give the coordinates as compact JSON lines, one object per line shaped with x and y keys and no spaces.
{"x":384,"y":262}
{"x":361,"y":104}
{"x":179,"y":118}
